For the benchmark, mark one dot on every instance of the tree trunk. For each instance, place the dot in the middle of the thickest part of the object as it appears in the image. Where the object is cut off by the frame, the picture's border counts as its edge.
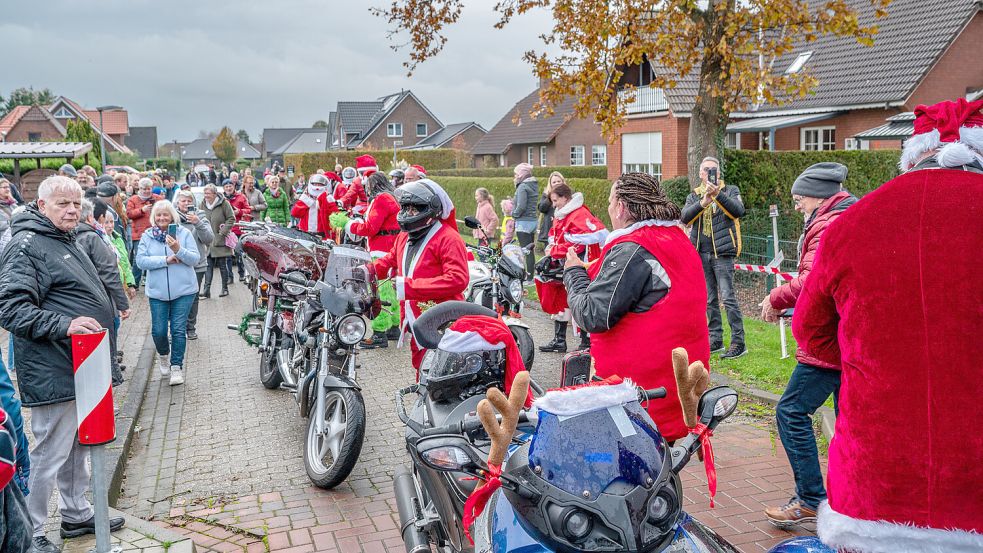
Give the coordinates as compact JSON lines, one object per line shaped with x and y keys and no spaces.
{"x":707,"y":121}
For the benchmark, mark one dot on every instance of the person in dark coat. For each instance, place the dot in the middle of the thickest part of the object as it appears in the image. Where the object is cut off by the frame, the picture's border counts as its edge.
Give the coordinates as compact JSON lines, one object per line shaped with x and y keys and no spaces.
{"x":15,"y":524}
{"x":221,"y":217}
{"x":714,"y":211}
{"x":49,"y":290}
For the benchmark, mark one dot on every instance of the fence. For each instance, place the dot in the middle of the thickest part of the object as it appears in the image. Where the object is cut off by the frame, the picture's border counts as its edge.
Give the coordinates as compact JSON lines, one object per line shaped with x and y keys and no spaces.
{"x":751,"y":288}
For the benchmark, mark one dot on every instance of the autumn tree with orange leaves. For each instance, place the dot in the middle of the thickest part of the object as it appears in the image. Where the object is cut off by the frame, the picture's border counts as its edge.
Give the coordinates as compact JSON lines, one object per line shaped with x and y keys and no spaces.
{"x":730,"y":44}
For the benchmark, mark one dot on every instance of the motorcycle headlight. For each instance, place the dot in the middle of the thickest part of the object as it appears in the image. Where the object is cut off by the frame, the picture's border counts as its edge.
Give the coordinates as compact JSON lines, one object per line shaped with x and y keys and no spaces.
{"x":293,"y":288}
{"x":351,"y":329}
{"x":515,"y":290}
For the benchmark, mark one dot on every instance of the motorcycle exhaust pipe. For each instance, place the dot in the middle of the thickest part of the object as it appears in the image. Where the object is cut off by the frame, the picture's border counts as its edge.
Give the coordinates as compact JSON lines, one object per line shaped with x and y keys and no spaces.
{"x":404,"y":488}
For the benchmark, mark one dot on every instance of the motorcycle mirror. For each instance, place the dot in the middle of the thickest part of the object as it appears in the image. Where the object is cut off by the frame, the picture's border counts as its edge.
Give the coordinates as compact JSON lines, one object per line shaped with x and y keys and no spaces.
{"x":716,"y":404}
{"x":471,"y":222}
{"x":448,"y":454}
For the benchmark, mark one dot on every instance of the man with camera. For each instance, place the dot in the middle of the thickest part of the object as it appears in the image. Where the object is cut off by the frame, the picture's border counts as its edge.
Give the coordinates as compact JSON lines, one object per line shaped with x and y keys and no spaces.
{"x":713,"y":210}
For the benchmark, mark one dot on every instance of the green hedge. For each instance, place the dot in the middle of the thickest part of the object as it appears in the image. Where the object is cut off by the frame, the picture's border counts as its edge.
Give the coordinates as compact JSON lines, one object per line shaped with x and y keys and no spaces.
{"x":26,"y":165}
{"x":441,"y":158}
{"x":587,"y":172}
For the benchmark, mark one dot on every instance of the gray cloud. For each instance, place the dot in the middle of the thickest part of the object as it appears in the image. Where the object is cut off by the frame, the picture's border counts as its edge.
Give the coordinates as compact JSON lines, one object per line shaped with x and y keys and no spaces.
{"x":188,"y":65}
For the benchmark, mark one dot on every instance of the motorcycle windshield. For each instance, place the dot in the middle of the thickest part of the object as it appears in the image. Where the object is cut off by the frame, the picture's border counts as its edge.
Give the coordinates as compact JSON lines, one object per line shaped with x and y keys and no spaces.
{"x":590,"y":451}
{"x":352,"y":284}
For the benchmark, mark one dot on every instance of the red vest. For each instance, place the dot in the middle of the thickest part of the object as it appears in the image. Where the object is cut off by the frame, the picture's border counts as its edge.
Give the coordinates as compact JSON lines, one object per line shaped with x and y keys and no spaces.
{"x":640,"y":345}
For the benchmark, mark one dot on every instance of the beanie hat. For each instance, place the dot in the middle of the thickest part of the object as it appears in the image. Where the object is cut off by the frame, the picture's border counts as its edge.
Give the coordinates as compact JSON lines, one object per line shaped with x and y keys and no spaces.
{"x":366,"y":165}
{"x":479,"y":333}
{"x":107,"y":190}
{"x":68,"y":170}
{"x":523,"y":171}
{"x":821,"y":180}
{"x":953,"y":128}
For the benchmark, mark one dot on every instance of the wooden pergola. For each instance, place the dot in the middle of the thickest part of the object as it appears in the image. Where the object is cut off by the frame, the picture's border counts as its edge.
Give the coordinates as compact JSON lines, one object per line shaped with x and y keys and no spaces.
{"x":37,"y":151}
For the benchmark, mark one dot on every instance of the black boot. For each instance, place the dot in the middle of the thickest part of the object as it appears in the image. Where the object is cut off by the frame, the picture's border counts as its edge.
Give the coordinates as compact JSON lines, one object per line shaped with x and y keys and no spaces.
{"x":393,"y":334}
{"x":584,"y":340}
{"x":225,"y":290}
{"x":559,"y":343}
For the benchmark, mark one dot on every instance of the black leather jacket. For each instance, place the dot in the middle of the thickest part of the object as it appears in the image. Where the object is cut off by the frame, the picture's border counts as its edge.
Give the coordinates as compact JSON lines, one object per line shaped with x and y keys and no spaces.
{"x":724,"y":240}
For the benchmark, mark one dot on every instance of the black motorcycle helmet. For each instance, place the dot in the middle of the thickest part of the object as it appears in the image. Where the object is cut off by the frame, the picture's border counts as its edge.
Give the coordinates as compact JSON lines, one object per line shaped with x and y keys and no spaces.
{"x":419,"y":208}
{"x":397,"y":177}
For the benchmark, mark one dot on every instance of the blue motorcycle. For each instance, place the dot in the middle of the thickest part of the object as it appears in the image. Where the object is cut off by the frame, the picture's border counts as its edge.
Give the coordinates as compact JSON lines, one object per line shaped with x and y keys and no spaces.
{"x":601,"y":480}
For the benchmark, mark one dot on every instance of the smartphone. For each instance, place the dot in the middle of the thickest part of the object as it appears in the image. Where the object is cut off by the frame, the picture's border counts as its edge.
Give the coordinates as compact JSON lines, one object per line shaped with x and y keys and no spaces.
{"x":192,"y":208}
{"x":712,"y":175}
{"x":172,"y":230}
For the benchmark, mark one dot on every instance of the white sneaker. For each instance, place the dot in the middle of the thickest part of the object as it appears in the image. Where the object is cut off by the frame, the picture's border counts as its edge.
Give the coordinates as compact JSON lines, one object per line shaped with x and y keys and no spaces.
{"x":162,"y":365}
{"x":177,"y":375}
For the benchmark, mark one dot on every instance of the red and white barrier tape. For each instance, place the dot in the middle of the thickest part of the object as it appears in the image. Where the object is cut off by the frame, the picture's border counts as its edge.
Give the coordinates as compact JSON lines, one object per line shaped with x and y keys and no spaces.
{"x":764,"y":269}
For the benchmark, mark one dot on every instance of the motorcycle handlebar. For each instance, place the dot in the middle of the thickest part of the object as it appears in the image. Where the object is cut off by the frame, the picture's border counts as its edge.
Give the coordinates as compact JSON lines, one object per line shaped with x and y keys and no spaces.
{"x":654,"y":393}
{"x":470,"y":424}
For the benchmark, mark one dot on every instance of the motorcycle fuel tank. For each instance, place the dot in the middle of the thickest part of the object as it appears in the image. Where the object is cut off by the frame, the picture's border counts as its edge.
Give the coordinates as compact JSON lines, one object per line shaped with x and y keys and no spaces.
{"x":275,"y":253}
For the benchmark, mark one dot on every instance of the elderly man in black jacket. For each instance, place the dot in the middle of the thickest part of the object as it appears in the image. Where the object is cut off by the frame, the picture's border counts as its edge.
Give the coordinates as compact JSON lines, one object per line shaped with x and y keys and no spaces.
{"x":49,"y":290}
{"x":714,"y":210}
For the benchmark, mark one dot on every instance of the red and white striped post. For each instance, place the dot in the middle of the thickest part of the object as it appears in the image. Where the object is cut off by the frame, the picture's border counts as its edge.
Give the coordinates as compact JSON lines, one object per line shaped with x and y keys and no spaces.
{"x":92,"y":359}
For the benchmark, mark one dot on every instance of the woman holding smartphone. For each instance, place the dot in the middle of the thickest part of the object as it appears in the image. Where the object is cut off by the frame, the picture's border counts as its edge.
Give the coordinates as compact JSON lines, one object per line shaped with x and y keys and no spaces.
{"x":168,"y":254}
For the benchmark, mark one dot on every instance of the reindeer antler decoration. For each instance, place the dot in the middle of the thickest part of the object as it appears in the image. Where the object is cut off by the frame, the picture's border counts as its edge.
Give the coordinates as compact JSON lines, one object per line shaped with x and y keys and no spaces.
{"x":692,"y":379}
{"x":501,"y":436}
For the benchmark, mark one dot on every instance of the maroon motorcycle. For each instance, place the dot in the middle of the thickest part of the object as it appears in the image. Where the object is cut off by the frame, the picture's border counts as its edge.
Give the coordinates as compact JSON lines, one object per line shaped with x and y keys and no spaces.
{"x":316,"y":300}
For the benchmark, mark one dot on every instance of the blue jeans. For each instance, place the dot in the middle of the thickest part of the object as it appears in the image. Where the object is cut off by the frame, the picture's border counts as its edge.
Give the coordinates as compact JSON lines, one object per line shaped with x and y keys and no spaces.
{"x":807,"y":390}
{"x":719,"y":274}
{"x":175,"y":313}
{"x":11,"y":405}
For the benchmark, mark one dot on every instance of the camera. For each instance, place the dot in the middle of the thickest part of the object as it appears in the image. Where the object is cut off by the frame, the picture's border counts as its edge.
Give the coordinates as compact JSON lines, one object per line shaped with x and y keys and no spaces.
{"x":712,"y":175}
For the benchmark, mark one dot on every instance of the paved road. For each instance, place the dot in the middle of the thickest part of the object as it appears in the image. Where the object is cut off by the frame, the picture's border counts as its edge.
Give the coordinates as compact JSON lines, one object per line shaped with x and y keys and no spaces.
{"x":220,"y":458}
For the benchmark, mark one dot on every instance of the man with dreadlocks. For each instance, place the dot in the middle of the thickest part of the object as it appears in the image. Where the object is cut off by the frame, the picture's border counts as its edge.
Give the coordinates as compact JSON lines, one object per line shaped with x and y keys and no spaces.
{"x":643,"y":297}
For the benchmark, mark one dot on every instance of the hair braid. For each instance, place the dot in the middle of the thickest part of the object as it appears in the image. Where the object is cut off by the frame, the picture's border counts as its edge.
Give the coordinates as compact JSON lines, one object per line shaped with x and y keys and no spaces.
{"x":644,"y":197}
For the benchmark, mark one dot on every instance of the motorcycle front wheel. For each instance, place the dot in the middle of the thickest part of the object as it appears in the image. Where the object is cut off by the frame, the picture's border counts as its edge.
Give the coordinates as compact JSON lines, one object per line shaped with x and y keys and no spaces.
{"x":330,"y":458}
{"x":527,"y":349}
{"x":269,"y":370}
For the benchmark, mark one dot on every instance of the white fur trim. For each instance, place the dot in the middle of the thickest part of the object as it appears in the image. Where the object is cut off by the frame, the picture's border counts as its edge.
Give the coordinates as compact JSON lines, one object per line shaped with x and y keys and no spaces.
{"x":576,"y":201}
{"x":847,"y":533}
{"x":348,"y":228}
{"x":635,"y":226}
{"x":464,"y":342}
{"x":363,"y":170}
{"x":957,"y":153}
{"x":578,"y":401}
{"x":446,"y":205}
{"x":400,"y":283}
{"x":590,"y":238}
{"x":308,"y":200}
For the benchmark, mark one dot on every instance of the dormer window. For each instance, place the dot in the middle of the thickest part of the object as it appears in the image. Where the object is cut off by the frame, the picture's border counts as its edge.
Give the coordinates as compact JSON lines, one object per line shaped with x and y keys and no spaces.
{"x":798,"y":63}
{"x":63,"y":113}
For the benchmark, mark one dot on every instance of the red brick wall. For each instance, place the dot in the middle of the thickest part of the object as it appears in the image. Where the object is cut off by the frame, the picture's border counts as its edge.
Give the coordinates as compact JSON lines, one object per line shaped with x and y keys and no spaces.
{"x":409,"y":113}
{"x":675,"y":133}
{"x":470,"y":138}
{"x":577,"y":132}
{"x":846,"y":127}
{"x":959,"y":68}
{"x":23,"y":129}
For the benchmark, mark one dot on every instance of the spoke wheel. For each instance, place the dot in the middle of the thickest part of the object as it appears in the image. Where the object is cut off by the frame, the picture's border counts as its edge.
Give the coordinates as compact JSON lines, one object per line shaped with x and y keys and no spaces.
{"x":269,"y":372}
{"x":331,"y":456}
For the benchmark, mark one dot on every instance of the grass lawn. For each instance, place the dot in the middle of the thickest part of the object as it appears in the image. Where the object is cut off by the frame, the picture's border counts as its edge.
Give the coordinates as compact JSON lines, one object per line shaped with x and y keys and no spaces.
{"x":762,"y":367}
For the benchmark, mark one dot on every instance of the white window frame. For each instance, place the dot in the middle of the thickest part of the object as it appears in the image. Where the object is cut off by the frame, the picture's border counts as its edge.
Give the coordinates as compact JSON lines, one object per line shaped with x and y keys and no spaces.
{"x":530,"y":150}
{"x":574,"y":150}
{"x":392,"y":128}
{"x":542,"y":156}
{"x":63,"y":113}
{"x":823,"y":142}
{"x":654,"y":169}
{"x":798,"y":63}
{"x":737,"y":140}
{"x":501,"y":160}
{"x":418,"y":135}
{"x":599,"y":155}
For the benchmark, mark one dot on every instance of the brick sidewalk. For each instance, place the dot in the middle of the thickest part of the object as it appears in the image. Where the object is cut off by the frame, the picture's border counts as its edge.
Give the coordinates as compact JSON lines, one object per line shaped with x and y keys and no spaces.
{"x":220,"y":459}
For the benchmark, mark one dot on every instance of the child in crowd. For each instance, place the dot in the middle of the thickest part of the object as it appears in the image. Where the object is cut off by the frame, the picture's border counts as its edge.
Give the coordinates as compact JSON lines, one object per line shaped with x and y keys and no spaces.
{"x":508,"y":223}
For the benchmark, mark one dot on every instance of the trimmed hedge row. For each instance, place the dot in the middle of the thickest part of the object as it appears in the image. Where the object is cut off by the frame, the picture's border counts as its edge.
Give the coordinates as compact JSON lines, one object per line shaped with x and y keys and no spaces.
{"x":441,"y":158}
{"x":586,"y":172}
{"x":27,"y":165}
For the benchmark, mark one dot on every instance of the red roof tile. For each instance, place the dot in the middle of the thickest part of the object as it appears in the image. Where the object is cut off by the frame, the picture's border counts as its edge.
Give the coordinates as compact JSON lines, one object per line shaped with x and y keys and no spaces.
{"x":117,"y":122}
{"x":12,"y":118}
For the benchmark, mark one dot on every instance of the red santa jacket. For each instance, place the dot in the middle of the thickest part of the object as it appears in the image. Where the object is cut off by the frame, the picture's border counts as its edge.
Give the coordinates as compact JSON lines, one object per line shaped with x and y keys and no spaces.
{"x":785,"y":296}
{"x":355,"y":196}
{"x":640,"y":345}
{"x":380,"y":226}
{"x":574,"y":219}
{"x":339,"y":190}
{"x":311,"y":218}
{"x":241,"y":209}
{"x":894,"y":299}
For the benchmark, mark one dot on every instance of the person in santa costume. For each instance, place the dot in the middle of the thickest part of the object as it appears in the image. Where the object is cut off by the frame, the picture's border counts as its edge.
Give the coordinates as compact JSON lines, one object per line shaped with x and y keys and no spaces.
{"x":643,"y":297}
{"x":355,"y":198}
{"x":315,"y":206}
{"x":575,"y":229}
{"x":414,"y":173}
{"x":348,"y":175}
{"x":427,"y":260}
{"x":380,"y":228}
{"x":894,"y":300}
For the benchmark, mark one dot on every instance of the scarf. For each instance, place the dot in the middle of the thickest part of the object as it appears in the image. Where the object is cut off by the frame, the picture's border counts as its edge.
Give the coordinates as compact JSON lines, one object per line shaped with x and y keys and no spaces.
{"x":275,"y":193}
{"x":158,"y":234}
{"x":145,"y":198}
{"x":706,"y":226}
{"x":218,"y":200}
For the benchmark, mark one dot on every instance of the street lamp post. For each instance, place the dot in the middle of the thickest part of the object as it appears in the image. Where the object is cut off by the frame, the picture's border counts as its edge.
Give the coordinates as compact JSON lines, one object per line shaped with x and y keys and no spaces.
{"x":102,"y":134}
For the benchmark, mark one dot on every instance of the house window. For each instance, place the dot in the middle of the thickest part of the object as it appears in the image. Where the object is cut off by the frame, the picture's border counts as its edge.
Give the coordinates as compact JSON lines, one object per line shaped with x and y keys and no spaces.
{"x":576,"y":155}
{"x":599,"y":155}
{"x":63,"y":113}
{"x":732,"y":140}
{"x":394,"y":130}
{"x":542,"y":156}
{"x":764,"y":141}
{"x":501,"y":160}
{"x":818,"y":138}
{"x":34,"y":137}
{"x":642,"y":153}
{"x":856,"y":144}
{"x":421,"y":129}
{"x":529,"y":154}
{"x":798,"y":63}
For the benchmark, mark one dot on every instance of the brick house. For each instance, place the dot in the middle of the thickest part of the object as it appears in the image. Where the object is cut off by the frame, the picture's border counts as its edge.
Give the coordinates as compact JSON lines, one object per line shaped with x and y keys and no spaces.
{"x":558,"y":140}
{"x":397,"y":120}
{"x":117,"y":121}
{"x":30,"y":124}
{"x":462,"y":136}
{"x":921,"y":55}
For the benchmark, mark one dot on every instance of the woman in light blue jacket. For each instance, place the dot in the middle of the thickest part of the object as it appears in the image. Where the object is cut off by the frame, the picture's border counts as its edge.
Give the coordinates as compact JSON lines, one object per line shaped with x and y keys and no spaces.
{"x":168,"y":261}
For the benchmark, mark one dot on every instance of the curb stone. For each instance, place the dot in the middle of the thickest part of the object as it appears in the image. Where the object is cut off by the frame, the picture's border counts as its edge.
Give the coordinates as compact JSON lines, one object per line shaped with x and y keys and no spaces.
{"x":127,"y":418}
{"x":169,"y":541}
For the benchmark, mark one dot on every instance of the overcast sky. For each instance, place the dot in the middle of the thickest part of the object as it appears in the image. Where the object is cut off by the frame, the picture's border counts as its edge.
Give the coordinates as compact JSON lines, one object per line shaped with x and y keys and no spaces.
{"x":191,"y":65}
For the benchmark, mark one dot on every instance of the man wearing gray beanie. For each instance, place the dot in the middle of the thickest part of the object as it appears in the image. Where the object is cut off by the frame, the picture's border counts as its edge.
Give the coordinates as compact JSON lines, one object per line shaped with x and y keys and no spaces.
{"x":819,"y":195}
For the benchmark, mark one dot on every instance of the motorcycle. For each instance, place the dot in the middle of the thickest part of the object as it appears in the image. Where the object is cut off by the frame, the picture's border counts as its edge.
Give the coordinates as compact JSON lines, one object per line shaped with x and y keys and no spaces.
{"x":447,"y":447}
{"x":496,"y":277}
{"x":309,"y":345}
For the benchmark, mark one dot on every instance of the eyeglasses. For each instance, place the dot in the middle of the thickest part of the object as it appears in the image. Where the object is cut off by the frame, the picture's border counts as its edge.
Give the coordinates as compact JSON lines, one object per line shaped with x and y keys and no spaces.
{"x":797,"y":200}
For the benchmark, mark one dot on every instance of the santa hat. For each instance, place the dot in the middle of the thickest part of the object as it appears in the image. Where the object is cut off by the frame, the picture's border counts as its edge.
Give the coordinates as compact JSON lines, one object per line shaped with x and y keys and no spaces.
{"x":448,"y":215}
{"x":332,"y":176}
{"x":577,"y":400}
{"x":420,"y":169}
{"x":478,"y":333}
{"x":955,"y":129}
{"x":366,"y":165}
